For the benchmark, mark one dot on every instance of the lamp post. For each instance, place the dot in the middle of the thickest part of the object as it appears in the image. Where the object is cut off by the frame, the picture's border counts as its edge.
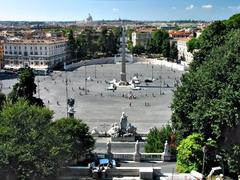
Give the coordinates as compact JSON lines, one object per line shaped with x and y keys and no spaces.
{"x":204,"y":150}
{"x":85,"y":76}
{"x":95,"y":72}
{"x":218,"y":157}
{"x":152,"y":72}
{"x":160,"y":84}
{"x":66,"y":84}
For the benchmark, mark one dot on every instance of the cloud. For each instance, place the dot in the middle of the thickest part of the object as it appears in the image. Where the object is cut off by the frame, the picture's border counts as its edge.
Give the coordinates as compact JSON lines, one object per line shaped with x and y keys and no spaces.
{"x":190,"y":7}
{"x":115,"y":9}
{"x":234,"y":7}
{"x":207,"y":6}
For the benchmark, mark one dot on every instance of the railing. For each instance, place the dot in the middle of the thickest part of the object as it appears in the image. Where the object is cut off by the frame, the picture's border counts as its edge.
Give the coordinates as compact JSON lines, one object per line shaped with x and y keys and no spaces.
{"x":151,"y":156}
{"x":123,"y":156}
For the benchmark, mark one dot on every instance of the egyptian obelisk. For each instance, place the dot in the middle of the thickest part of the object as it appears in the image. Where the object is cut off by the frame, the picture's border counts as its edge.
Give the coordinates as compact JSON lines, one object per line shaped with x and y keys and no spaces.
{"x":123,"y":72}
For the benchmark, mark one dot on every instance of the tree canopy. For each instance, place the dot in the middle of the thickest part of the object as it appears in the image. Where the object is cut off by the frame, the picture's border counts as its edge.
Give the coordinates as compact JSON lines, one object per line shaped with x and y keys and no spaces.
{"x":31,"y":145}
{"x":25,"y":88}
{"x":208,"y":101}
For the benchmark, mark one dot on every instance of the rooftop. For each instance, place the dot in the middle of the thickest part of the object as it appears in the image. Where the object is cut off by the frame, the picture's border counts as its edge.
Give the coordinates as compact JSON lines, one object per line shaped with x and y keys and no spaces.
{"x":36,"y":41}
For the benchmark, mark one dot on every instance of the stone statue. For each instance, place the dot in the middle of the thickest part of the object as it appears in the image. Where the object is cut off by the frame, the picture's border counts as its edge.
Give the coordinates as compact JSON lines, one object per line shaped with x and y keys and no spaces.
{"x":71,"y":103}
{"x":123,"y":123}
{"x":166,"y":148}
{"x":123,"y":129}
{"x":137,"y":147}
{"x":114,"y":130}
{"x":109,"y":148}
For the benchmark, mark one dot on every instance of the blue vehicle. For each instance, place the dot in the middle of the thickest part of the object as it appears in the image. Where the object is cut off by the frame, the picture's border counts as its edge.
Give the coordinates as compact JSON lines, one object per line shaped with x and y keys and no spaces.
{"x":105,"y":163}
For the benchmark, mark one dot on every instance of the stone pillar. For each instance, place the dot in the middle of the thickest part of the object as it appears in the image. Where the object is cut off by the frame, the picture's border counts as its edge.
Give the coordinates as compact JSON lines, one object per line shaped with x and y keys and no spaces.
{"x":137,"y":154}
{"x":109,"y":150}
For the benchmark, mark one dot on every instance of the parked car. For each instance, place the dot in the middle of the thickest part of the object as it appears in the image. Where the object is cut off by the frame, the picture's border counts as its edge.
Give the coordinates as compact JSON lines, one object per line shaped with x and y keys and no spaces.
{"x":106,"y":163}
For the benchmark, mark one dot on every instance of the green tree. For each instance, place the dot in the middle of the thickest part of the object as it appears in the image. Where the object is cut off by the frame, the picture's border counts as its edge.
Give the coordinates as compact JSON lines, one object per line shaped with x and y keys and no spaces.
{"x":138,"y":49}
{"x":25,"y":88}
{"x":158,"y":38}
{"x":2,"y":99}
{"x":102,"y":41}
{"x":174,"y":51}
{"x":233,"y":160}
{"x":71,"y":45}
{"x":76,"y":133}
{"x":27,"y":146}
{"x":190,"y":153}
{"x":208,"y":100}
{"x":156,"y":139}
{"x":166,"y":48}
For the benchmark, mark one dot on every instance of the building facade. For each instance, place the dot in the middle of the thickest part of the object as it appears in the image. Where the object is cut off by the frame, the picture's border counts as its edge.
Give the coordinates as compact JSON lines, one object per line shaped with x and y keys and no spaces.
{"x":183,"y":53}
{"x":141,"y":38}
{"x":37,"y":54}
{"x":1,"y":54}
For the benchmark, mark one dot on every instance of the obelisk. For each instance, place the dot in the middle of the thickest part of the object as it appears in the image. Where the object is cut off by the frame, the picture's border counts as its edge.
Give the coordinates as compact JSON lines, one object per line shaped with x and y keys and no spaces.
{"x":123,"y":72}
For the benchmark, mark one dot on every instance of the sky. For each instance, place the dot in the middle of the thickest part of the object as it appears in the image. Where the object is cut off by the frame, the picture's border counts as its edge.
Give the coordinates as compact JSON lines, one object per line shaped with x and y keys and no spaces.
{"x":77,"y":10}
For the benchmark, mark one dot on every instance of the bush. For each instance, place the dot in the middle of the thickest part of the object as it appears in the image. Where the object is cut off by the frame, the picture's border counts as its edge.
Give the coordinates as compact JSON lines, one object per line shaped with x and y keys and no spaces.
{"x":156,"y":139}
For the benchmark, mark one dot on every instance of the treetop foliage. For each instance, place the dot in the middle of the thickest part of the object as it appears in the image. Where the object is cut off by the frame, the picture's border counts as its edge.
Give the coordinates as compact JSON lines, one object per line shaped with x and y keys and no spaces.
{"x":208,"y":101}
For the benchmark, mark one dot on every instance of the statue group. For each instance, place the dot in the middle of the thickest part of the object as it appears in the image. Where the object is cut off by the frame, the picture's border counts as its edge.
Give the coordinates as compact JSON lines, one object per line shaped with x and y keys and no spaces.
{"x":123,"y":128}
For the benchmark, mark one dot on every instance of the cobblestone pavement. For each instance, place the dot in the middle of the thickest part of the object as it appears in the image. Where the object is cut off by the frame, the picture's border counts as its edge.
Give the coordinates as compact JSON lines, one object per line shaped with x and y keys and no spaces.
{"x":101,"y":107}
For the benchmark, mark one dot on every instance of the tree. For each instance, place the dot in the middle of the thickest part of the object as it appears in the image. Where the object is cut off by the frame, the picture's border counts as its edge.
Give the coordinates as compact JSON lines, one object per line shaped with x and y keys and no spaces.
{"x":76,"y":133}
{"x":233,"y":160}
{"x":190,"y":153}
{"x":166,"y":48}
{"x":138,"y":49}
{"x":27,"y":145}
{"x":158,"y":38}
{"x":25,"y":88}
{"x":71,"y":45}
{"x":102,"y":41}
{"x":2,"y":99}
{"x":174,"y":51}
{"x":208,"y":100}
{"x":156,"y":139}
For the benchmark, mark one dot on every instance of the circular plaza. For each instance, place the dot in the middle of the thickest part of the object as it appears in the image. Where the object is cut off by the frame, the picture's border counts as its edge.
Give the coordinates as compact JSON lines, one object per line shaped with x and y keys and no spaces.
{"x":100,"y":107}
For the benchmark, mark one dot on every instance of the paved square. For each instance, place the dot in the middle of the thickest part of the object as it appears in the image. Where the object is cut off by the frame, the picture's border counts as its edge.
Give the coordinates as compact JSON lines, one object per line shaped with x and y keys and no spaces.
{"x":101,"y":107}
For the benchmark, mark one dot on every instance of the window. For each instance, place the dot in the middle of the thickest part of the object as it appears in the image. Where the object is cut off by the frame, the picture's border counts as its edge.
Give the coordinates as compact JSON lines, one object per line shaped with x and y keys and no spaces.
{"x":6,"y":52}
{"x":20,"y":52}
{"x":36,"y":53}
{"x":40,"y":47}
{"x":31,"y":53}
{"x":45,"y":48}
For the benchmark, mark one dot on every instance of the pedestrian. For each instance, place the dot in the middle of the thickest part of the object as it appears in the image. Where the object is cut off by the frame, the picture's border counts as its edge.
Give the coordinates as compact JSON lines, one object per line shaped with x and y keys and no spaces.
{"x":130,"y":104}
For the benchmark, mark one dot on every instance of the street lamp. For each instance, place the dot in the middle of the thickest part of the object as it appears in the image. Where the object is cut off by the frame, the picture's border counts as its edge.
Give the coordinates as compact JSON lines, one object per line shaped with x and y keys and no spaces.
{"x":85,"y":76}
{"x":218,"y":157}
{"x":152,"y":72}
{"x":66,"y":84}
{"x":204,"y":150}
{"x":95,"y":72}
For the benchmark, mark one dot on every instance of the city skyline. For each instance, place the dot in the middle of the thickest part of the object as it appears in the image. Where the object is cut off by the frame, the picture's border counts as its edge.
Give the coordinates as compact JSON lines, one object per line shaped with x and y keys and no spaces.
{"x":151,"y":10}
